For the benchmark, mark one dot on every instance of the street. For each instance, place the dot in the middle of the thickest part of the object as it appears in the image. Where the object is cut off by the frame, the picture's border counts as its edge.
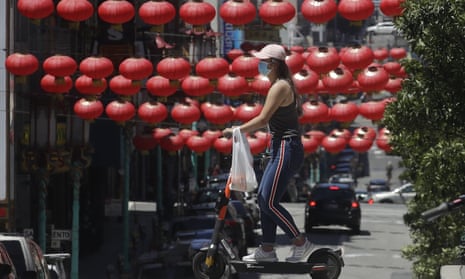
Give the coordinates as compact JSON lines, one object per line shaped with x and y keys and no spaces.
{"x":377,"y":250}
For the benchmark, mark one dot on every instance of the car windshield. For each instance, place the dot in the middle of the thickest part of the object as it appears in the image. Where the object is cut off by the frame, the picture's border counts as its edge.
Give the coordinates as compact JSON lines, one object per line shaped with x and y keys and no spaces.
{"x":326,"y":194}
{"x":16,"y":253}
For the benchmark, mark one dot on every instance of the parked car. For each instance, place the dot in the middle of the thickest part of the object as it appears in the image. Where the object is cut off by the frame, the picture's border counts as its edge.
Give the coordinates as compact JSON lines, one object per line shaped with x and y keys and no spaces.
{"x":342,"y":178}
{"x":378,"y":185}
{"x":384,"y":28}
{"x":7,"y":268}
{"x":403,"y":194}
{"x":362,"y":195}
{"x":332,"y":204}
{"x":26,"y":256}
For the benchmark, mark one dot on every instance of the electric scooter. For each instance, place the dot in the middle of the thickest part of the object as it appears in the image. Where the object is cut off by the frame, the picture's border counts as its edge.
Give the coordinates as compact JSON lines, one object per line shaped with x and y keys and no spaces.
{"x":219,"y":260}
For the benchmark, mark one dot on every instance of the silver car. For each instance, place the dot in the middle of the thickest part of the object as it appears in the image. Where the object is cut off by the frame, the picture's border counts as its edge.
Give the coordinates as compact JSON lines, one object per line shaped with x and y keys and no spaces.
{"x":403,"y":194}
{"x":384,"y":28}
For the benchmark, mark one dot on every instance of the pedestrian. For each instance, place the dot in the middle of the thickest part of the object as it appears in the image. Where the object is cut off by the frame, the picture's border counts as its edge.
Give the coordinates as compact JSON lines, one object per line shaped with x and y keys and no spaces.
{"x":389,"y":168}
{"x":280,"y":113}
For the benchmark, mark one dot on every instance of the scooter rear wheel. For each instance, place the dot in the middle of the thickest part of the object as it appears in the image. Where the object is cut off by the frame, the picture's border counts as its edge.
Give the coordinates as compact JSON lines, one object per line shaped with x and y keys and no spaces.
{"x":332,"y":262}
{"x":202,"y":271}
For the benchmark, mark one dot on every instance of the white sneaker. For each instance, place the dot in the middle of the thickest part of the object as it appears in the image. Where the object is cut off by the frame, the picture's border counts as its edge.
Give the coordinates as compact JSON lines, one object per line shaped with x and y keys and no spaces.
{"x":261,"y":256}
{"x":300,"y":253}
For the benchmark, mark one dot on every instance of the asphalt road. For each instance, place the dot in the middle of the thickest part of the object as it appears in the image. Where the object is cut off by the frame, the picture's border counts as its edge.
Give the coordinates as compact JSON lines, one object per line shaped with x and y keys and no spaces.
{"x":376,"y":250}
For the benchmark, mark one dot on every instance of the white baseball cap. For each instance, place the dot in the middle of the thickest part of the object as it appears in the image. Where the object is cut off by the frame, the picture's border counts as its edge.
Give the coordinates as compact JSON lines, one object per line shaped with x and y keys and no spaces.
{"x":271,"y":51}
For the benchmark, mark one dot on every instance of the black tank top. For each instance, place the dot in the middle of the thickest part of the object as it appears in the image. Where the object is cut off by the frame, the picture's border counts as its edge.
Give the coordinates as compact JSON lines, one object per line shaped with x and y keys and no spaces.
{"x":285,"y":121}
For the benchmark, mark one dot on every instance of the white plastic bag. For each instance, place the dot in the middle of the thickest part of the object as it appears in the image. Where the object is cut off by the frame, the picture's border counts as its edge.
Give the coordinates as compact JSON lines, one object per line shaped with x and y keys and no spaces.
{"x":242,"y":173}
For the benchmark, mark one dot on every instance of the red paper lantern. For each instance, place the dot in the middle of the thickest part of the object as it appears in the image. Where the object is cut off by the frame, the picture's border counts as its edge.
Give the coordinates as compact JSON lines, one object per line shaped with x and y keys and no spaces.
{"x":298,"y":49}
{"x":136,"y":68}
{"x":392,"y":67}
{"x":398,"y":53}
{"x":365,"y":131}
{"x":257,"y":144}
{"x":373,"y":110}
{"x":323,"y":59}
{"x":217,"y":113}
{"x":360,"y":144}
{"x":196,"y":86}
{"x":212,"y":67}
{"x":59,"y":65}
{"x":185,"y":113}
{"x":381,"y":53}
{"x":238,"y":12}
{"x":152,"y":112}
{"x":232,"y":85}
{"x":344,"y":112}
{"x":160,"y":133}
{"x":157,"y":12}
{"x":212,"y":135}
{"x":144,"y":142}
{"x":160,"y":86}
{"x":392,"y":8}
{"x":197,"y":13}
{"x":198,"y":144}
{"x":276,"y":12}
{"x":223,"y":145}
{"x":116,"y":11}
{"x":356,"y":10}
{"x":295,"y":61}
{"x":314,"y":112}
{"x":317,"y":134}
{"x":96,"y":67}
{"x":247,"y":111}
{"x":124,"y":86}
{"x":246,"y":66}
{"x":338,"y":80}
{"x":187,"y":133}
{"x":373,"y":79}
{"x":75,"y":10}
{"x":37,"y":9}
{"x":172,"y":143}
{"x":305,"y":81}
{"x":89,"y":86}
{"x":310,"y":143}
{"x":88,"y":109}
{"x":342,"y":133}
{"x":234,"y":53}
{"x":52,"y":84}
{"x":393,"y":85}
{"x":173,"y":68}
{"x":120,"y":111}
{"x":333,"y":144}
{"x":21,"y":64}
{"x":260,"y":84}
{"x":319,"y":11}
{"x":382,"y":140}
{"x":357,"y":57}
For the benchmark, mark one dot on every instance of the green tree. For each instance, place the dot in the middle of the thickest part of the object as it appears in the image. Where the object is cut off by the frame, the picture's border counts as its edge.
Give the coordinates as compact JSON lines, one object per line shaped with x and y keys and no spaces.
{"x":427,"y":123}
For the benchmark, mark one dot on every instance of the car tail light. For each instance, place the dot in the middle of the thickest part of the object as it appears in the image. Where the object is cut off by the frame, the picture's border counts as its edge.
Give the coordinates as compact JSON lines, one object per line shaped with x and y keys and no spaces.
{"x":334,"y":188}
{"x":312,"y":203}
{"x":355,"y":204}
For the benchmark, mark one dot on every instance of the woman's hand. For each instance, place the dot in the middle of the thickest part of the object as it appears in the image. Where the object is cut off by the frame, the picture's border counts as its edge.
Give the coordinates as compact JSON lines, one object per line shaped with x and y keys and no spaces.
{"x":228,"y":132}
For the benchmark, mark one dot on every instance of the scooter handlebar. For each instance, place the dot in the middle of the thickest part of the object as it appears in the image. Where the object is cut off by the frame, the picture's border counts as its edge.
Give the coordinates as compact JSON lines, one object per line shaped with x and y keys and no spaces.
{"x":442,"y":209}
{"x":433,"y":213}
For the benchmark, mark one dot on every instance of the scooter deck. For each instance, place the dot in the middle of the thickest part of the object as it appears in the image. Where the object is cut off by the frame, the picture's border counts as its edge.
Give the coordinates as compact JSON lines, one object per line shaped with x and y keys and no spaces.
{"x":278,"y":267}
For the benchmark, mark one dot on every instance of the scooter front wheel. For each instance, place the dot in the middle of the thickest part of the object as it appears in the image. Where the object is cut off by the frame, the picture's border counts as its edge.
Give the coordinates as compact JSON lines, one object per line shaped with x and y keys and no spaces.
{"x":331,"y":261}
{"x":203,"y":271}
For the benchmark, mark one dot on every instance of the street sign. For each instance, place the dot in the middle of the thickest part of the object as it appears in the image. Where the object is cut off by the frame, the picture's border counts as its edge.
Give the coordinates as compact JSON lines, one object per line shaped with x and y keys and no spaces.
{"x":61,"y":235}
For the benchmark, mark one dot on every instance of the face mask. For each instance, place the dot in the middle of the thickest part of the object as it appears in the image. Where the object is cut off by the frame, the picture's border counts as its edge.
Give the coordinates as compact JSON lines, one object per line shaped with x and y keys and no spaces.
{"x":263,"y":68}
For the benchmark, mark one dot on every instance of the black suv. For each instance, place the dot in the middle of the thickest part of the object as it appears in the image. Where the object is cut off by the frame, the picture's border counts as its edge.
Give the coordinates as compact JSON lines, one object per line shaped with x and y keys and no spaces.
{"x":332,"y":204}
